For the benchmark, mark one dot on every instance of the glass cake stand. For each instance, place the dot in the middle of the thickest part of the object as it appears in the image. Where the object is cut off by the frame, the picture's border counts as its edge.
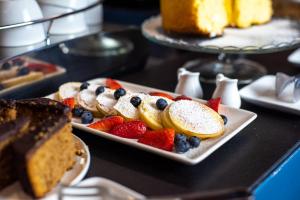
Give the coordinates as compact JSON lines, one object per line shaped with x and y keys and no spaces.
{"x":278,"y":35}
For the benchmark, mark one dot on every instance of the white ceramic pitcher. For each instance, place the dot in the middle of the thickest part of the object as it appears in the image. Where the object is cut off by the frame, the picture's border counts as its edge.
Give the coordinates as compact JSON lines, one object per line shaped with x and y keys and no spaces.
{"x":188,"y":83}
{"x":227,"y":89}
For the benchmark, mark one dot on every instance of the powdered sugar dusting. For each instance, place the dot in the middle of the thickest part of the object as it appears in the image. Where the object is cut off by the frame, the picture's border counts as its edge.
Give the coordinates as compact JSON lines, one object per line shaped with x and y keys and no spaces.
{"x":194,"y":116}
{"x":124,"y":106}
{"x":107,"y":98}
{"x":88,"y":96}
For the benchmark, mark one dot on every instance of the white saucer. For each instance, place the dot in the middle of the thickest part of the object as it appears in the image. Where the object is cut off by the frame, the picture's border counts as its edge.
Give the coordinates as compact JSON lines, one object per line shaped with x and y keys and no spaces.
{"x":262,"y":92}
{"x":71,"y":177}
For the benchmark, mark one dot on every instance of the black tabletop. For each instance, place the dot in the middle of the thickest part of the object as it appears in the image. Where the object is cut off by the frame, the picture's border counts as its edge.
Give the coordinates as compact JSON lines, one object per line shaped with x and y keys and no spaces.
{"x":241,"y":162}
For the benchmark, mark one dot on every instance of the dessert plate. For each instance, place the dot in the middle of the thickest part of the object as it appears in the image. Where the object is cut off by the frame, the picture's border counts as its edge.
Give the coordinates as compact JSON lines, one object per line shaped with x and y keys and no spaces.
{"x":71,"y":177}
{"x":237,"y":120}
{"x":59,"y":71}
{"x":262,"y":92}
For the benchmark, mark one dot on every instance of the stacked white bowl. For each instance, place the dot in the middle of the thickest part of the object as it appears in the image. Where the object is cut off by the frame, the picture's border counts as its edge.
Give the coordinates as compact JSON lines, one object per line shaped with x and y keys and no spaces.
{"x":18,"y":11}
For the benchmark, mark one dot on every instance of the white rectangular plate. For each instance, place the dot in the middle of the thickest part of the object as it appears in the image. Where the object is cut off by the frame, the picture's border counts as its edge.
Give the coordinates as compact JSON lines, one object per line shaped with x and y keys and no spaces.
{"x":262,"y":93}
{"x":237,"y":120}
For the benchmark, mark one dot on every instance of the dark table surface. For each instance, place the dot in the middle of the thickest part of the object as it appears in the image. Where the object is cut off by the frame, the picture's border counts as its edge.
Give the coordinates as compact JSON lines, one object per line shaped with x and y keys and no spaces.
{"x":241,"y":162}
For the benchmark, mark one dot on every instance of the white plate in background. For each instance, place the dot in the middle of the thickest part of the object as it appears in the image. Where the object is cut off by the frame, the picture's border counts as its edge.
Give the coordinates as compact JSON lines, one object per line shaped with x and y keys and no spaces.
{"x":262,"y":93}
{"x":237,"y":120}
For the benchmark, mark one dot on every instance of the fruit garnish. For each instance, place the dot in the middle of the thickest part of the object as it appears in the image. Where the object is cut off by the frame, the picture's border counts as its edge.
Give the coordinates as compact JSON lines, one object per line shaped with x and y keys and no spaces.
{"x":161,"y":104}
{"x":70,"y":102}
{"x":162,"y":139}
{"x":42,"y":67}
{"x":107,"y":124}
{"x":214,"y":104}
{"x":136,"y":101}
{"x":99,"y":90}
{"x":87,"y":117}
{"x":23,"y":71}
{"x":119,"y":93}
{"x":77,"y":111}
{"x":225,"y":119}
{"x":84,"y":86}
{"x":132,"y":129}
{"x":182,"y":97}
{"x":161,"y":94}
{"x":181,"y":143}
{"x":182,"y":146}
{"x":112,"y":84}
{"x":194,"y":141}
{"x":5,"y":66}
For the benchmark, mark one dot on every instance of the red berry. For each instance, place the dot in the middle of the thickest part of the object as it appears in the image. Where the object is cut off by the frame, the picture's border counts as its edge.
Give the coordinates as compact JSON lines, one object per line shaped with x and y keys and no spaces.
{"x":112,"y":84}
{"x":107,"y":124}
{"x":214,"y":104}
{"x":182,"y":97}
{"x":161,"y":94}
{"x":42,"y":67}
{"x":162,"y":139}
{"x":70,"y":102}
{"x":132,"y":129}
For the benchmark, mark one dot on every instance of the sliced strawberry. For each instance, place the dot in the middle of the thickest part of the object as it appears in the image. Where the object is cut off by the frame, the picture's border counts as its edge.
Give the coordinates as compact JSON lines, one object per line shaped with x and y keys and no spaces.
{"x":107,"y":124}
{"x":182,"y":97}
{"x":214,"y":104}
{"x":70,"y":102}
{"x":132,"y":129}
{"x":162,"y":139}
{"x":42,"y":67}
{"x":112,"y":84}
{"x":161,"y":94}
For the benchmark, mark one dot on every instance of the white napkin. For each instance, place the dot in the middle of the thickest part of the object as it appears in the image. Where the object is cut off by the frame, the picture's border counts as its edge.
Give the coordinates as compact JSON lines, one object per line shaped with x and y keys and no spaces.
{"x":295,"y":57}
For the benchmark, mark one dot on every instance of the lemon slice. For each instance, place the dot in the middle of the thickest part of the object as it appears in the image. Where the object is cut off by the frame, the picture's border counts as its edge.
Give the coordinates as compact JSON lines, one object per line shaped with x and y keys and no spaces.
{"x":87,"y":99}
{"x":150,"y":114}
{"x":126,"y":109}
{"x":194,"y":119}
{"x":106,"y":102}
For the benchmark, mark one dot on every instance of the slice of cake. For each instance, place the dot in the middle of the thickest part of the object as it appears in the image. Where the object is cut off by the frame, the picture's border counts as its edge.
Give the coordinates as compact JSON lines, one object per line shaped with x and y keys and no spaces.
{"x":210,"y":17}
{"x":42,"y":147}
{"x":9,"y":133}
{"x":205,"y":17}
{"x":250,"y":12}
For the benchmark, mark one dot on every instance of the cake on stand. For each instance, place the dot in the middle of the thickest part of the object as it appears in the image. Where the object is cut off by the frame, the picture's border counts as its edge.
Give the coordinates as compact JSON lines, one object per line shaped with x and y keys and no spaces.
{"x":277,"y":35}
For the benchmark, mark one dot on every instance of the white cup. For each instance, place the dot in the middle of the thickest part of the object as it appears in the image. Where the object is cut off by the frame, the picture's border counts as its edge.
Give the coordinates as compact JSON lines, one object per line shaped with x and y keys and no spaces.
{"x":94,"y":16}
{"x":18,"y":11}
{"x":68,"y":25}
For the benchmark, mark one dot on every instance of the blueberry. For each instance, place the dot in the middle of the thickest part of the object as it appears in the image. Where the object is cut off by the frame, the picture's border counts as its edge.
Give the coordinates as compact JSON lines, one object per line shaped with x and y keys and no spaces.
{"x":182,"y":146}
{"x":225,"y":119}
{"x":194,"y":141}
{"x":23,"y":71}
{"x":161,"y":104}
{"x":84,"y":85}
{"x":87,"y":117}
{"x":179,"y":137}
{"x":6,"y":66}
{"x":99,"y":90}
{"x":136,"y":101}
{"x":119,"y":93}
{"x":18,"y":62}
{"x":77,"y":111}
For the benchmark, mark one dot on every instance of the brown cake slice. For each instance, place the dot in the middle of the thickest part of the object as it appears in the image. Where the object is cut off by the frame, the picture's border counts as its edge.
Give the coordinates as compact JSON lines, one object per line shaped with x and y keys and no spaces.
{"x":9,"y":133}
{"x":43,"y":151}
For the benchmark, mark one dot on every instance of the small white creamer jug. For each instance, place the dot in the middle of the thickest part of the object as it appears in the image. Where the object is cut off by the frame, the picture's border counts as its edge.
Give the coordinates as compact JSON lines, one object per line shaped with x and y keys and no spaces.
{"x":227,"y":89}
{"x":188,"y":83}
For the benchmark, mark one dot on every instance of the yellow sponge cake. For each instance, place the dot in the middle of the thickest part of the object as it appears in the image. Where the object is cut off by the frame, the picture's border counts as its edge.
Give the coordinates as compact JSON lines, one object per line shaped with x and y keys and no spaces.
{"x":206,"y":17}
{"x":250,"y":12}
{"x":210,"y":17}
